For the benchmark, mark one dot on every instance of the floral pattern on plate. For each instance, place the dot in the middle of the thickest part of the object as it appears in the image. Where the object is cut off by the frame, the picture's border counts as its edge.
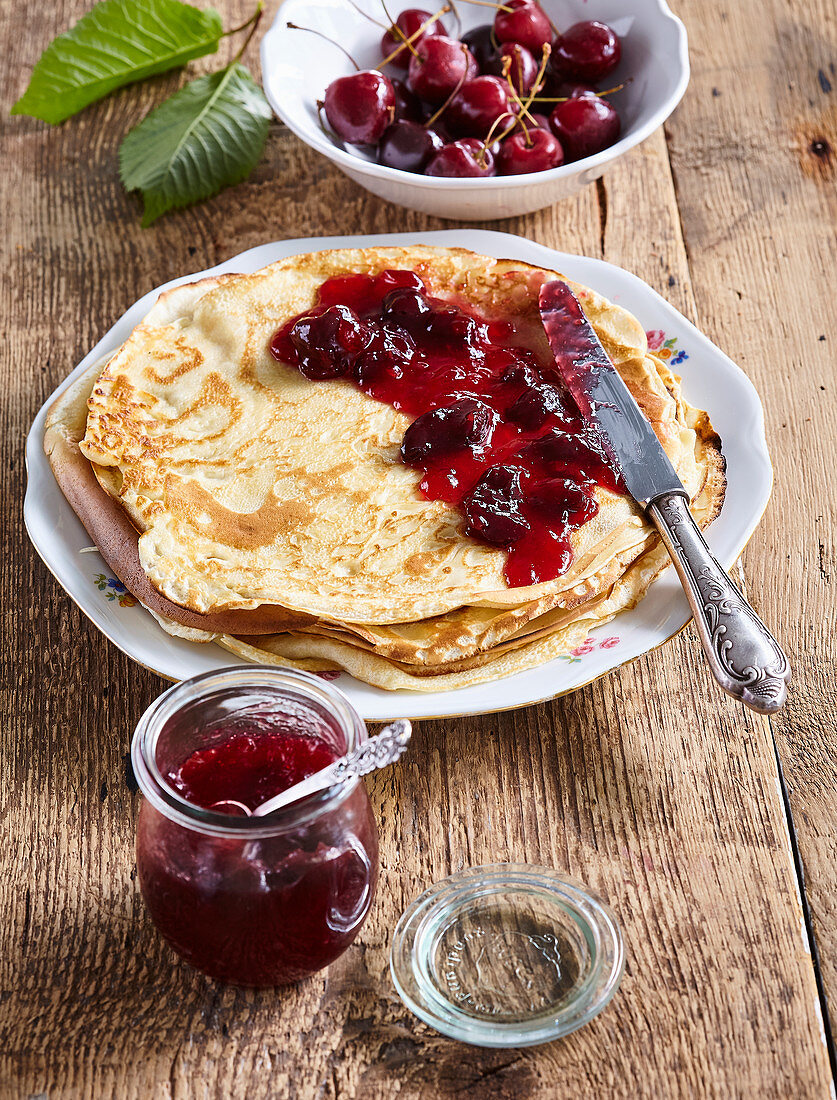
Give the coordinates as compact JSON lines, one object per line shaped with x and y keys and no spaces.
{"x":114,"y":590}
{"x":589,"y":646}
{"x":665,"y":347}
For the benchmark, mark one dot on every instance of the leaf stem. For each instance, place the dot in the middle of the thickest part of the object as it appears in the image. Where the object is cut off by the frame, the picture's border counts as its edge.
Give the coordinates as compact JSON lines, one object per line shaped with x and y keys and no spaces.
{"x":243,"y":26}
{"x":255,"y":19}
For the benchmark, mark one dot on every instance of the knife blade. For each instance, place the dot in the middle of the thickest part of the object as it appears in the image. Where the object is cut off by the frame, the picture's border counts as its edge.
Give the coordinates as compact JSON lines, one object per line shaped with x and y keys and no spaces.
{"x":603,"y":398}
{"x":743,"y":655}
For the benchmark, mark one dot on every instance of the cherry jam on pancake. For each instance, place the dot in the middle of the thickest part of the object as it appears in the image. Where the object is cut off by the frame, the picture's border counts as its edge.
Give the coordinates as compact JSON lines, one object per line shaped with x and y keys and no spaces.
{"x":495,"y":432}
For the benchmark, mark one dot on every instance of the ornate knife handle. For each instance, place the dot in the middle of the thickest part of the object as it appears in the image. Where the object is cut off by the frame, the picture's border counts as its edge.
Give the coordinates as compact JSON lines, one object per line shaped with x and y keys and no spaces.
{"x":743,"y":655}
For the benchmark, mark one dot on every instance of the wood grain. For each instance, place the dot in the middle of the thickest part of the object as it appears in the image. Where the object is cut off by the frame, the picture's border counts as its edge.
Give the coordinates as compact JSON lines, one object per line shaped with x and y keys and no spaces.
{"x":649,"y":786}
{"x":754,"y":152}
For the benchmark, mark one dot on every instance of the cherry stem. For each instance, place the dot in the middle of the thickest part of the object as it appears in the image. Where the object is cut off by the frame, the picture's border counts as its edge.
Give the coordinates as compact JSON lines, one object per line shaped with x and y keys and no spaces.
{"x":489,"y":4}
{"x":330,"y":134}
{"x":452,"y":95}
{"x":409,"y":41}
{"x":400,"y":34}
{"x":507,"y":64}
{"x":243,"y":26}
{"x":547,"y":50}
{"x":489,"y":137}
{"x":396,"y":31}
{"x":565,"y":98}
{"x":455,"y":11}
{"x":255,"y":20}
{"x":319,"y":34}
{"x":366,"y":15}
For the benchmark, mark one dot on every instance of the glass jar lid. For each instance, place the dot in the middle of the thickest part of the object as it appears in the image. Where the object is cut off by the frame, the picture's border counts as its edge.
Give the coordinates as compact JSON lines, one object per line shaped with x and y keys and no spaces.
{"x":507,"y":955}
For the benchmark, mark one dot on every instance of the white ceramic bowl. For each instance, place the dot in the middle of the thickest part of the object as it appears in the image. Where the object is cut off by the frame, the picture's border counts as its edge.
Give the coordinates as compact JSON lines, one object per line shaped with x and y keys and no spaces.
{"x":297,"y":67}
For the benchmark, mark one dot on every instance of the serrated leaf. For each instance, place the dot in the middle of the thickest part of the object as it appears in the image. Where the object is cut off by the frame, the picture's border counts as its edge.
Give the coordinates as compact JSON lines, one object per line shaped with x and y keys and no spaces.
{"x":117,"y":43}
{"x":208,"y":136}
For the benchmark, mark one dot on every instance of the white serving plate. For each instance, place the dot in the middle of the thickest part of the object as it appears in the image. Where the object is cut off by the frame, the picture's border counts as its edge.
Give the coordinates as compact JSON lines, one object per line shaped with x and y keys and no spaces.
{"x":297,"y":67}
{"x":711,"y":381}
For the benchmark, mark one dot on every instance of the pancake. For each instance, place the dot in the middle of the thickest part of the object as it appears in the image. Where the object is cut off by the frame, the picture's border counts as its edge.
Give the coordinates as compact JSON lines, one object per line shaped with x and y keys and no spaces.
{"x":251,"y":485}
{"x":243,"y":503}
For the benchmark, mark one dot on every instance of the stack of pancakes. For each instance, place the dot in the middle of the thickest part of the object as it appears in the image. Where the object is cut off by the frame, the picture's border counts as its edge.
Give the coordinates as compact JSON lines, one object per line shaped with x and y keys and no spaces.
{"x":244,"y":504}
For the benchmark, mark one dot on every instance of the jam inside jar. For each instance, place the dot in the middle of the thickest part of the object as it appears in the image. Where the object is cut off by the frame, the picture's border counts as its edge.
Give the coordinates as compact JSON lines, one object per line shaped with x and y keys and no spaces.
{"x":257,"y":901}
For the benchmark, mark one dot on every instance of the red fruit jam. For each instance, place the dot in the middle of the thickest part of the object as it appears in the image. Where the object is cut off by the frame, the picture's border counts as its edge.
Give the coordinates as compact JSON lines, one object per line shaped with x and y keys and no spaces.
{"x":249,"y":768}
{"x":268,"y":900}
{"x":495,"y":432}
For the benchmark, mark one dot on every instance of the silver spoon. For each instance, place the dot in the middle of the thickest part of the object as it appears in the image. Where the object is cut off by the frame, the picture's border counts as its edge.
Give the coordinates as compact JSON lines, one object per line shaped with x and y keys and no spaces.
{"x":378,"y":752}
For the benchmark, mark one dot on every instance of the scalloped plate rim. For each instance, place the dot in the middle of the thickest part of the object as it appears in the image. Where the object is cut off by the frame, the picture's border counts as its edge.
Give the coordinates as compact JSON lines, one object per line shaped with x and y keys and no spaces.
{"x":55,"y":531}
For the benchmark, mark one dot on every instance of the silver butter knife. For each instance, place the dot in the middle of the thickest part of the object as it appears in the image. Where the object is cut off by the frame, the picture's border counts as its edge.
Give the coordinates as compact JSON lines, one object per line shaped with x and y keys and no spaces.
{"x":743,"y":655}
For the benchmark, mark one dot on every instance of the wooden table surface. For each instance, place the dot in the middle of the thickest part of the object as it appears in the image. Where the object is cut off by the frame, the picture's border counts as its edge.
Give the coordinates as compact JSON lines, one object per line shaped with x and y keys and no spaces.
{"x":710,"y":831}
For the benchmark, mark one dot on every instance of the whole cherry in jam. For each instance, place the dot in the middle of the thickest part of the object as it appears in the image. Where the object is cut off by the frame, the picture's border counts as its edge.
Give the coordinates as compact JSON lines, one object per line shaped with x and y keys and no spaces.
{"x":327,"y":342}
{"x":564,"y":499}
{"x":494,"y":507}
{"x":493,"y":431}
{"x":538,"y":401}
{"x":467,"y":423}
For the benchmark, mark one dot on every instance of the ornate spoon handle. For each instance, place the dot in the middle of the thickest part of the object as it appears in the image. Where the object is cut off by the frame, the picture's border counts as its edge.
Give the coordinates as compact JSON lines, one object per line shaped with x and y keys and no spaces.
{"x":379,"y":751}
{"x":743,"y":655}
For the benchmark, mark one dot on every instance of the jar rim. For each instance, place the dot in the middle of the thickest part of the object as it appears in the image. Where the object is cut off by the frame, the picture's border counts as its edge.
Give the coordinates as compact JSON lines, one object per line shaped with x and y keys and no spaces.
{"x":176,"y":808}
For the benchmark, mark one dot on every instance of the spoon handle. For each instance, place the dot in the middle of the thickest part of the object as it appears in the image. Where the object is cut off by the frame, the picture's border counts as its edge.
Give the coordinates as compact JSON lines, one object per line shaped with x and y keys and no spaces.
{"x":379,"y":751}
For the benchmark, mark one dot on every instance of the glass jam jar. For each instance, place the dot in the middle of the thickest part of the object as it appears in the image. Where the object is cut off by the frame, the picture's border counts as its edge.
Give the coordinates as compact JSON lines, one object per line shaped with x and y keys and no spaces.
{"x":258,"y":901}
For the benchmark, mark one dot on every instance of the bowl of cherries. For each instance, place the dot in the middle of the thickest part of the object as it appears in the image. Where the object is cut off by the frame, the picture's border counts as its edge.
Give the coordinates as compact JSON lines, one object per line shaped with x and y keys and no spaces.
{"x":475,"y":110}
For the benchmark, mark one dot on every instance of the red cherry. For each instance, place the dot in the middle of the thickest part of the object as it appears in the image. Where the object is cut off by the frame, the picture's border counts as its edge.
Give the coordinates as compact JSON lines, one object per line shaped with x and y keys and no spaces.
{"x":437,"y":67}
{"x":461,"y":159}
{"x":408,"y":146}
{"x":569,"y":89}
{"x":588,"y":51}
{"x":480,"y":41}
{"x":519,"y":154}
{"x":585,"y":126}
{"x":406,"y":104}
{"x":493,"y":507}
{"x":477,"y":106}
{"x":526,"y":24}
{"x":408,"y":22}
{"x":359,"y":107}
{"x":523,"y":70}
{"x":537,"y":122}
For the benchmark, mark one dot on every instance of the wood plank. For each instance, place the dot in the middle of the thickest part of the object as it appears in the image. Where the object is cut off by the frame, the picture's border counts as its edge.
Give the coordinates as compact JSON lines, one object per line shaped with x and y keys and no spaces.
{"x":754,"y":151}
{"x":648,"y":786}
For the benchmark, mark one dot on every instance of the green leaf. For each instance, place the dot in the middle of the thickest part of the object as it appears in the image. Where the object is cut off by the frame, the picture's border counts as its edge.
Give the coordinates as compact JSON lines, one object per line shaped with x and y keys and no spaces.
{"x":208,"y":136}
{"x":118,"y":42}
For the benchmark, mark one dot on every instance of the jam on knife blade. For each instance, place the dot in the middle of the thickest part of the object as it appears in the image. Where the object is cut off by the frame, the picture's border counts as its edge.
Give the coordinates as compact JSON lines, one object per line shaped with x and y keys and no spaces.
{"x":603,"y":398}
